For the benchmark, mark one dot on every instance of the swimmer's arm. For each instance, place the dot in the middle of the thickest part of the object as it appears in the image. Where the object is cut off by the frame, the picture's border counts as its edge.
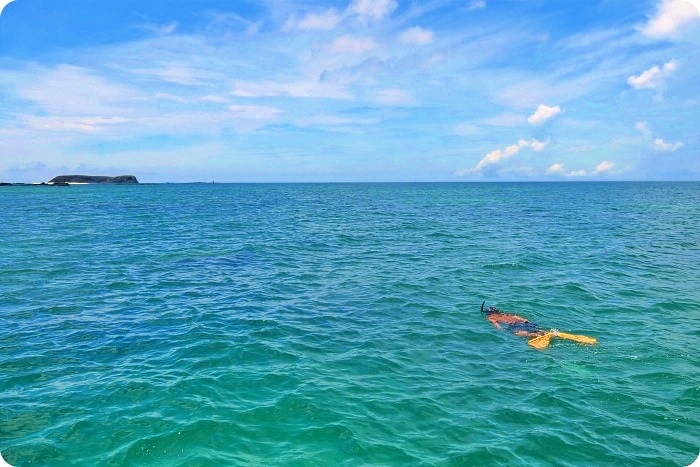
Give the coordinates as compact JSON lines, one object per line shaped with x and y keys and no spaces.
{"x":493,"y":321}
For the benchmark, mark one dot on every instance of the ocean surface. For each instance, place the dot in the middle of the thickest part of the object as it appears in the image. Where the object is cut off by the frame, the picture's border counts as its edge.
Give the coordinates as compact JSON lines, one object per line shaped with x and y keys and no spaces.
{"x":339,"y":324}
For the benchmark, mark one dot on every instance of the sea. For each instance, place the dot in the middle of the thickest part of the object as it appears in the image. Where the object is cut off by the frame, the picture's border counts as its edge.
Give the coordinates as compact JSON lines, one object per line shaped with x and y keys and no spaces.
{"x":340,"y":324}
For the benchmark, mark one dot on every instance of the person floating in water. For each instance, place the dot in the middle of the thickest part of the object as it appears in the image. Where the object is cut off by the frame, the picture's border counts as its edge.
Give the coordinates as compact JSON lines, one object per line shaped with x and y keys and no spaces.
{"x":520,"y":326}
{"x":516,"y":324}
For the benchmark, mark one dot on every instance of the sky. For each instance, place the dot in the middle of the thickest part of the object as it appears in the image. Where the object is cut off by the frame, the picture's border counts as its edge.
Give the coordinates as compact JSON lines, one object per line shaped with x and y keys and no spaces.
{"x":351,"y":90}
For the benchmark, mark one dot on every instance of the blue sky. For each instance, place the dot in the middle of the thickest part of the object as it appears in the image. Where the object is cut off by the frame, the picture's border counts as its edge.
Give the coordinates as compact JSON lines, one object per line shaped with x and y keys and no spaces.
{"x":356,"y":90}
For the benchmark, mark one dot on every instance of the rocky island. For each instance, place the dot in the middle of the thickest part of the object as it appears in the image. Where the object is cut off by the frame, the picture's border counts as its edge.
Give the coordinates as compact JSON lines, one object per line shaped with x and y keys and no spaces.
{"x":97,"y":179}
{"x":67,"y":180}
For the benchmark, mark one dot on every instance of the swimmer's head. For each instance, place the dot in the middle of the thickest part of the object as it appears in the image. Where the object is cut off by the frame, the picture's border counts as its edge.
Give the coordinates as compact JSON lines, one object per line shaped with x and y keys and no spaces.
{"x":489,"y":310}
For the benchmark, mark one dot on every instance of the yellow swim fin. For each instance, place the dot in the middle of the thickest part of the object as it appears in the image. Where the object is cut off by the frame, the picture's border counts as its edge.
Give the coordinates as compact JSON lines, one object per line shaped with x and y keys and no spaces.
{"x":541,"y":342}
{"x":576,"y":338}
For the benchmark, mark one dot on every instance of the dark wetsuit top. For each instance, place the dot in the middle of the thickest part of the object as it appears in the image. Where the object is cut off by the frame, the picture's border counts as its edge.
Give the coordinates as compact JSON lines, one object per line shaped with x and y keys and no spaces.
{"x":515,"y":323}
{"x":528,"y":326}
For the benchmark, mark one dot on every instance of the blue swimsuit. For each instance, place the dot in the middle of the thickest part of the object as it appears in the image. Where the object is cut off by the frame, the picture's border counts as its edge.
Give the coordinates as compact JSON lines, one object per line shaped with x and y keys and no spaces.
{"x":529,"y":327}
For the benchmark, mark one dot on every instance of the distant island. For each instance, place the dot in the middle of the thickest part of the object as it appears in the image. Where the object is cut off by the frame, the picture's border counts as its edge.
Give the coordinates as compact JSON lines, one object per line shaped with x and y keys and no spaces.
{"x":96,"y":179}
{"x":67,"y":180}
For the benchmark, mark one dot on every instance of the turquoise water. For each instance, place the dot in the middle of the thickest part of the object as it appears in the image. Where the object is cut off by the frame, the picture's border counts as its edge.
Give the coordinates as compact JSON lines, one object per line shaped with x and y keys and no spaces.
{"x":339,"y":324}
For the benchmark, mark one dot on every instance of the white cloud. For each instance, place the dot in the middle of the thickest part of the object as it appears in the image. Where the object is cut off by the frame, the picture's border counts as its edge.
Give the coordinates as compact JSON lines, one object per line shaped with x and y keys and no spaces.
{"x":542,"y":114}
{"x":653,"y":77}
{"x":326,"y":21}
{"x":309,"y":88}
{"x":352,"y":45}
{"x":576,"y":173}
{"x":560,"y":169}
{"x":663,"y":146}
{"x":476,"y":5}
{"x":499,"y":155}
{"x":536,"y":146}
{"x":671,"y":16}
{"x":643,"y":128}
{"x":372,"y":9}
{"x":557,"y":168}
{"x":603,"y":167}
{"x":416,"y":36}
{"x":393,"y":97}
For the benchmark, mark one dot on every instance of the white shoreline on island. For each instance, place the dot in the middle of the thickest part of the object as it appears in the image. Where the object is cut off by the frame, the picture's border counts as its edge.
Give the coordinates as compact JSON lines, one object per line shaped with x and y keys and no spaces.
{"x":70,"y":183}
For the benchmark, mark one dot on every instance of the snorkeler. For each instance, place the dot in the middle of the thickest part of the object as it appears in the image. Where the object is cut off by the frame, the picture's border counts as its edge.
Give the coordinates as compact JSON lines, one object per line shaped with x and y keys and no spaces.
{"x":520,"y":326}
{"x":516,"y":324}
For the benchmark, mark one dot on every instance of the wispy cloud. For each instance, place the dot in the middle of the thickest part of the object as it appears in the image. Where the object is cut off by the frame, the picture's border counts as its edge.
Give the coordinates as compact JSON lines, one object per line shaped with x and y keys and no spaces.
{"x":643,"y":128}
{"x":476,"y":5}
{"x":657,"y":144}
{"x":335,"y":120}
{"x":363,"y":10}
{"x":542,"y":114}
{"x":176,"y":73}
{"x":393,"y":97}
{"x":302,"y":88}
{"x":663,"y":146}
{"x":254,"y":112}
{"x":223,"y":23}
{"x":79,"y":124}
{"x":326,"y":20}
{"x":671,"y":16}
{"x":71,"y":90}
{"x":466,"y":129}
{"x":653,"y":77}
{"x":372,"y":9}
{"x":416,"y":36}
{"x":214,"y":99}
{"x":349,"y":44}
{"x":499,"y":155}
{"x":160,"y":29}
{"x":504,"y":120}
{"x":170,"y":97}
